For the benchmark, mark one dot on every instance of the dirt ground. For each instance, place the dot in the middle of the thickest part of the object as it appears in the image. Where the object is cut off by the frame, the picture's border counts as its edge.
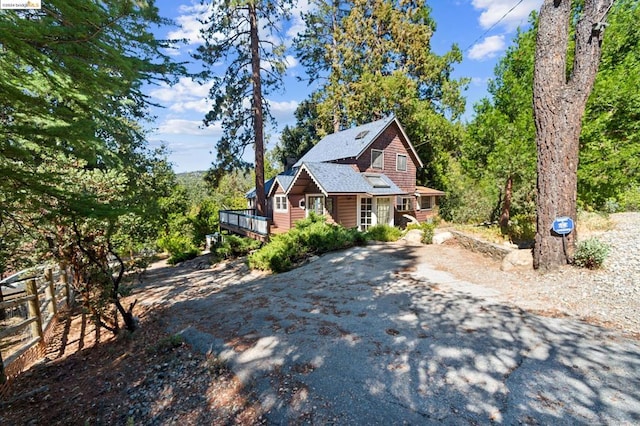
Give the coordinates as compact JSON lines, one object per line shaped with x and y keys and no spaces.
{"x":151,"y":375}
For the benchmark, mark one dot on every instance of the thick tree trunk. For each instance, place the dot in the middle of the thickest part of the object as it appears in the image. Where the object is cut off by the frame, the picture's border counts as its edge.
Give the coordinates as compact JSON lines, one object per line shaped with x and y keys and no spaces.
{"x":258,"y":120}
{"x":505,"y":215}
{"x":558,"y":106}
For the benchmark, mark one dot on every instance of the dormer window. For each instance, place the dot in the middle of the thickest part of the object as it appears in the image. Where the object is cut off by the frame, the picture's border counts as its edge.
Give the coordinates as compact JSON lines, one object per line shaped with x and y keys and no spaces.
{"x":377,"y":159}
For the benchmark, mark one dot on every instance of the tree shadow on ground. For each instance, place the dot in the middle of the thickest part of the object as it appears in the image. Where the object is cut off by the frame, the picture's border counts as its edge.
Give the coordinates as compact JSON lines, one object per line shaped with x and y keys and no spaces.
{"x":144,"y":378}
{"x":355,"y":337}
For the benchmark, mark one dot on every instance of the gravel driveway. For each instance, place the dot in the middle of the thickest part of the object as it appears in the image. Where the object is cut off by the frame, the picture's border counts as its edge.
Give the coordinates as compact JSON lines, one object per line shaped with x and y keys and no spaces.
{"x":376,"y":335}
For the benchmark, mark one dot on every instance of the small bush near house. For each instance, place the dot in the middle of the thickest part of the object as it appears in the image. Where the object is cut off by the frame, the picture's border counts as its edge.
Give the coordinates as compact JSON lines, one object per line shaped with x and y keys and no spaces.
{"x":428,"y":229}
{"x":309,"y":236}
{"x":591,"y":253}
{"x":384,"y":233}
{"x":179,"y":246}
{"x":235,"y":246}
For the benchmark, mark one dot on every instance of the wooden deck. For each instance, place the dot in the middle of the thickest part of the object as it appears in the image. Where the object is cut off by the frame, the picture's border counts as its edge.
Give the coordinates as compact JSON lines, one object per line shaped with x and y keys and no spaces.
{"x":245,"y":232}
{"x":245,"y":223}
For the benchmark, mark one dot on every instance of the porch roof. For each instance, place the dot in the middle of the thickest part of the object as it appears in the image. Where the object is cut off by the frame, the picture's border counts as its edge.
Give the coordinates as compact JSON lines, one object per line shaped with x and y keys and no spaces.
{"x":344,"y":179}
{"x":423,"y":190}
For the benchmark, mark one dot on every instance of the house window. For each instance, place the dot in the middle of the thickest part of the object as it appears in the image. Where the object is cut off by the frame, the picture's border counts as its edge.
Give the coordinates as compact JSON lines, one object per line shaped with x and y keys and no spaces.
{"x":315,"y":203}
{"x":328,"y":205}
{"x":280,"y":202}
{"x":377,"y":159}
{"x":366,"y":213}
{"x":425,"y":203}
{"x":405,"y":204}
{"x":401,"y":163}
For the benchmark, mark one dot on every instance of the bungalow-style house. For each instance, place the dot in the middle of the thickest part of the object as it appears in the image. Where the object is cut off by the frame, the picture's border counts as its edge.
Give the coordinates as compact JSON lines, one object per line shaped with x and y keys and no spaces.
{"x":358,"y":177}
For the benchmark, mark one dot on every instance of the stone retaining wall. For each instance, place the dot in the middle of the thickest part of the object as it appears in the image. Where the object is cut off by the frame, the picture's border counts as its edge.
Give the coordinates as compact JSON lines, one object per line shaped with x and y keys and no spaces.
{"x":492,"y":250}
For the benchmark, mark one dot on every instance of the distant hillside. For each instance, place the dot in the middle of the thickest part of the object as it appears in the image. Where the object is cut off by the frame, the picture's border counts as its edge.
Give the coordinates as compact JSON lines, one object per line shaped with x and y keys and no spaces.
{"x":197,"y":188}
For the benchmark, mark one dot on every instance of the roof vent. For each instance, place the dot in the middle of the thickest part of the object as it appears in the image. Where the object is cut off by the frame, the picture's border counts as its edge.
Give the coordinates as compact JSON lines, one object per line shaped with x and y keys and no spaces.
{"x":362,"y":134}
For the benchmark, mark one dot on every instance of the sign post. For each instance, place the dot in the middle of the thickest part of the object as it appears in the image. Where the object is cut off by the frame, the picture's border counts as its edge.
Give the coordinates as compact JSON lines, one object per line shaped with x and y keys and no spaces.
{"x":563,"y":225}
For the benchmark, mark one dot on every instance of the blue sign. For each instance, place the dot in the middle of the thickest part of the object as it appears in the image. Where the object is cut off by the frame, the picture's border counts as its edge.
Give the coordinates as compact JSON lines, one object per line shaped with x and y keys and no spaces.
{"x":563,"y":225}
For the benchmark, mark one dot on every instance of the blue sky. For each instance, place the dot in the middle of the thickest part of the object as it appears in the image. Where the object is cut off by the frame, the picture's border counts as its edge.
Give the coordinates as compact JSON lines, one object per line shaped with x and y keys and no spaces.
{"x":471,"y":24}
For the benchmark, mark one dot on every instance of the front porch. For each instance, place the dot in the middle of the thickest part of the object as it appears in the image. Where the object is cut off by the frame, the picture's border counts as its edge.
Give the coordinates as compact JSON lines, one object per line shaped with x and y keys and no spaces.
{"x":246,"y":223}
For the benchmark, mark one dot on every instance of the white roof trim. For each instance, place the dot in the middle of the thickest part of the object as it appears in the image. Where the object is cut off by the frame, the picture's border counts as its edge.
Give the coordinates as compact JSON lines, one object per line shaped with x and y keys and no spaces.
{"x":313,"y":178}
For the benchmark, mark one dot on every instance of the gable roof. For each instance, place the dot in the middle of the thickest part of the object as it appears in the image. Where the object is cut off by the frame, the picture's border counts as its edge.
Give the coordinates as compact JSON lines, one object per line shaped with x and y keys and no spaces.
{"x":334,"y":178}
{"x":284,"y":179}
{"x":351,"y":143}
{"x":267,"y":187}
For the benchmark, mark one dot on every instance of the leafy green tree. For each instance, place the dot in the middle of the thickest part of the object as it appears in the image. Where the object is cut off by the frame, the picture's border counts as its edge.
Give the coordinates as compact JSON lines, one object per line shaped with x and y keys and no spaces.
{"x":379,"y":62}
{"x":297,"y":140}
{"x":319,"y":52}
{"x":254,"y":65}
{"x":73,"y":156}
{"x":610,"y":139}
{"x":500,"y":142}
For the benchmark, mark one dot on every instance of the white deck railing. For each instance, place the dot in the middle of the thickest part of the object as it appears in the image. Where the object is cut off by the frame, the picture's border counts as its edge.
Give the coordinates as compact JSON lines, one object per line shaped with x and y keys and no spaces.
{"x":244,"y":219}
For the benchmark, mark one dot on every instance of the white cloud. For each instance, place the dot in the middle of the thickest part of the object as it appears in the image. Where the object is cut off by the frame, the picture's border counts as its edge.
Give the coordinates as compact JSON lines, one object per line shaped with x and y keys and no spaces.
{"x":283,"y":112}
{"x":186,"y":95}
{"x":494,"y":10}
{"x":297,"y":24}
{"x":178,"y":126}
{"x":189,"y":21}
{"x":488,"y":48}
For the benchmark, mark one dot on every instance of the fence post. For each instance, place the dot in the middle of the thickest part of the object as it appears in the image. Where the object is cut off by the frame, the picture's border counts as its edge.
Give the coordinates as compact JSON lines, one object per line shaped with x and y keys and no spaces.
{"x":34,"y":309}
{"x":3,"y":314}
{"x":50,"y":290}
{"x":3,"y":377}
{"x":64,"y":282}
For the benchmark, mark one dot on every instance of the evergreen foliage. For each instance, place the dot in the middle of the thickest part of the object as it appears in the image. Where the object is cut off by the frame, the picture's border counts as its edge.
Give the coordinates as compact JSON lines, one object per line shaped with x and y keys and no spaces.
{"x":310,"y":236}
{"x":373,"y":59}
{"x":243,"y":35}
{"x":74,"y":166}
{"x":383,"y":233}
{"x":609,"y":169}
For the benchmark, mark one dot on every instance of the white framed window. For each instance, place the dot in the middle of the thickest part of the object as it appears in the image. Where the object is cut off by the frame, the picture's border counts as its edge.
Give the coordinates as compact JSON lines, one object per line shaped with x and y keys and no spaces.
{"x":426,"y":203}
{"x":280,"y":203}
{"x":401,"y":162}
{"x":405,"y":204}
{"x":377,"y":159}
{"x":366,"y":213}
{"x":315,"y":203}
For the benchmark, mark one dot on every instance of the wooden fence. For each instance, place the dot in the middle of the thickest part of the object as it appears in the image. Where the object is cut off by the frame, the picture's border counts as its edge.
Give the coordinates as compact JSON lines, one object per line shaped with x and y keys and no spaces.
{"x":27,"y":314}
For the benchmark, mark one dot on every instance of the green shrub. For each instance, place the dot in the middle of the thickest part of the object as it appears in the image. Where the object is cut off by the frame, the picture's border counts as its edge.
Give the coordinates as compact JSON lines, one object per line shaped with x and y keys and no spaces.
{"x":428,"y":229}
{"x":521,"y":228}
{"x":309,"y":236}
{"x":591,"y":253}
{"x":383,"y":233}
{"x":179,"y":246}
{"x":235,"y":246}
{"x":630,"y":199}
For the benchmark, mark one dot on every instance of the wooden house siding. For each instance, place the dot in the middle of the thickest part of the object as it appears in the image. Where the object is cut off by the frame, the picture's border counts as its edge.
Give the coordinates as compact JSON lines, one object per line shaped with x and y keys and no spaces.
{"x":281,"y":219}
{"x":347,"y":211}
{"x":297,"y":213}
{"x":391,"y":144}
